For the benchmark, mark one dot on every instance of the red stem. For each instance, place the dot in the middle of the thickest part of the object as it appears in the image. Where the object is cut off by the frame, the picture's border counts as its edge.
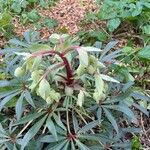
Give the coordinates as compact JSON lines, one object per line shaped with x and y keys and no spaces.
{"x":69,"y":71}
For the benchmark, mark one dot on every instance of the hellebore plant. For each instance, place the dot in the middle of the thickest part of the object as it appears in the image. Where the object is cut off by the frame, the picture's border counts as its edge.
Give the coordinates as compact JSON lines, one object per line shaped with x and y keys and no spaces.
{"x":68,"y":77}
{"x":62,"y":96}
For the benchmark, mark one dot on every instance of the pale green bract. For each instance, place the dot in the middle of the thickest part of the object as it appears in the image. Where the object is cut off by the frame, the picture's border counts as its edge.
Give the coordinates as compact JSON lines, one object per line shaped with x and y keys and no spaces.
{"x":99,"y":88}
{"x":35,"y":77}
{"x":47,"y":93}
{"x":36,"y":63}
{"x":83,"y":56}
{"x":81,"y":70}
{"x":44,"y":89}
{"x":56,"y":38}
{"x":80,"y":99}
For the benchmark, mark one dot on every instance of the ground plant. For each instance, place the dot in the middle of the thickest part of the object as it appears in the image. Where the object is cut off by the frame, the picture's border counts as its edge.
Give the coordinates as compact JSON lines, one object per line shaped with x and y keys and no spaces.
{"x":59,"y":95}
{"x":132,"y":11}
{"x":26,"y":11}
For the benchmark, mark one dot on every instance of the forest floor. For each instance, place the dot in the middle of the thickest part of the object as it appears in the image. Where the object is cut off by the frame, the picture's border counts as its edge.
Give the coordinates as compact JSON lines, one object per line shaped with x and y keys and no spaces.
{"x":68,"y":13}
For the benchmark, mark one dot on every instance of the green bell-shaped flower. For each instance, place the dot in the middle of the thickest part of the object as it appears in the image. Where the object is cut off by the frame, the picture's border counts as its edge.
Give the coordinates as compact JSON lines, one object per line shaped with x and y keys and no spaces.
{"x":19,"y":72}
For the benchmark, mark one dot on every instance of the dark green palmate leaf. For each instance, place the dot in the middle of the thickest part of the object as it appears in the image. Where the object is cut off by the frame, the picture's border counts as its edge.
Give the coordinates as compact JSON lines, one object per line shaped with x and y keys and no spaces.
{"x":59,"y":146}
{"x":81,"y":145}
{"x":123,"y":108}
{"x":145,"y":53}
{"x":126,"y":145}
{"x":33,"y":16}
{"x":142,"y":109}
{"x":99,"y":114}
{"x":88,"y":127}
{"x":32,"y":132}
{"x":5,"y":94}
{"x":4,"y":83}
{"x":28,"y":98}
{"x":7,"y":99}
{"x":51,"y":126}
{"x":139,"y":96}
{"x":75,"y":123}
{"x":111,"y":119}
{"x":19,"y":106}
{"x":51,"y":139}
{"x":58,"y":121}
{"x":113,"y":24}
{"x":72,"y":145}
{"x":29,"y":117}
{"x":18,"y":42}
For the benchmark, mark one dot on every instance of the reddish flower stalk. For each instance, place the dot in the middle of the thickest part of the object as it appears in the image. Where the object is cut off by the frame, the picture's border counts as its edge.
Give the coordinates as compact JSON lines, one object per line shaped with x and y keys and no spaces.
{"x":69,"y":71}
{"x":71,"y":136}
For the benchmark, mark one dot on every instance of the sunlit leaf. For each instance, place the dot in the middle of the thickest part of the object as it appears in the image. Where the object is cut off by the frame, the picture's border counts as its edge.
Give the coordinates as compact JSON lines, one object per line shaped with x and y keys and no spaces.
{"x":83,"y":56}
{"x":108,"y":78}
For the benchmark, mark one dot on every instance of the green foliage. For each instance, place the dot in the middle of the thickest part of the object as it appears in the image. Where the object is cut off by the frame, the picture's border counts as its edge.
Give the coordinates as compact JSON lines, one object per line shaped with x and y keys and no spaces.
{"x":50,"y":23}
{"x":65,"y":97}
{"x":145,"y":53}
{"x":136,"y":145}
{"x":32,"y":16}
{"x":135,"y":63}
{"x":47,"y":3}
{"x":27,"y":13}
{"x":47,"y":22}
{"x":18,"y":5}
{"x":113,"y":24}
{"x":5,"y":24}
{"x":116,"y":11}
{"x":89,"y":37}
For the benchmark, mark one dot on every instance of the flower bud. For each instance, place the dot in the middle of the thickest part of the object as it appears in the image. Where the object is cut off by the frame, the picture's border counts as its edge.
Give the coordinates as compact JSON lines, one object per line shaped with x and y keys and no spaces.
{"x":68,"y":91}
{"x":93,"y":61}
{"x":19,"y":72}
{"x":54,"y":95}
{"x":81,"y":70}
{"x":91,"y":69}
